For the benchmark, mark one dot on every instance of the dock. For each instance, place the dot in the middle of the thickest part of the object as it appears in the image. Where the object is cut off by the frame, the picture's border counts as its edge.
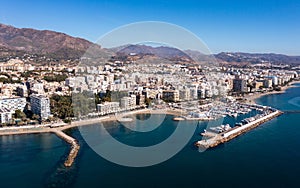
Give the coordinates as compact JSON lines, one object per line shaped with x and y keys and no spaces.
{"x":235,"y":131}
{"x":74,"y":147}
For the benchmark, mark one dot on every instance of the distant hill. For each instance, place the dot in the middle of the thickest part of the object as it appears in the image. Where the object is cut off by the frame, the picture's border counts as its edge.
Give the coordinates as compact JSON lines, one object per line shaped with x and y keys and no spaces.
{"x":161,"y":52}
{"x":257,"y":58}
{"x":42,"y":42}
{"x":200,"y":57}
{"x":15,"y":42}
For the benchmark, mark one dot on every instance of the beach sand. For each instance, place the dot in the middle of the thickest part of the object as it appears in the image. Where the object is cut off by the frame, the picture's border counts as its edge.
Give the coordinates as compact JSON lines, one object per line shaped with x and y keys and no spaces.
{"x":63,"y":126}
{"x":253,"y":97}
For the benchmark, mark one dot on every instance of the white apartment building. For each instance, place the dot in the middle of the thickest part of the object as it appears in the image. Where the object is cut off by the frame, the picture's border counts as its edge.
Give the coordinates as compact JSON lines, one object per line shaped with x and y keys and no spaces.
{"x":108,"y":107}
{"x":5,"y":115}
{"x":13,"y":104}
{"x":128,"y":102}
{"x":40,"y":105}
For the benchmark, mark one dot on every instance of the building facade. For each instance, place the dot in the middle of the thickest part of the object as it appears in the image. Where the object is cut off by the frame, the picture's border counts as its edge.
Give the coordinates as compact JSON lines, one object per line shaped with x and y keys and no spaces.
{"x":171,"y":95}
{"x":5,"y":115}
{"x":108,"y":107}
{"x":40,"y":105}
{"x":239,"y":85}
{"x":13,"y":104}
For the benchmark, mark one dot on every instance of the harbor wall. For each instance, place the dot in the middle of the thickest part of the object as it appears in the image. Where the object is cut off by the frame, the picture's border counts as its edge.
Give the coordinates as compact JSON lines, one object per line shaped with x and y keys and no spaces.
{"x":224,"y":137}
{"x":251,"y":124}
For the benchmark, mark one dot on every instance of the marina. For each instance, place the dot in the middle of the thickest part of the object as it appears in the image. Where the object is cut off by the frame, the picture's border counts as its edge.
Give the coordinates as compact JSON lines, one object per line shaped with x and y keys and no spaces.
{"x":221,"y":134}
{"x":214,"y":111}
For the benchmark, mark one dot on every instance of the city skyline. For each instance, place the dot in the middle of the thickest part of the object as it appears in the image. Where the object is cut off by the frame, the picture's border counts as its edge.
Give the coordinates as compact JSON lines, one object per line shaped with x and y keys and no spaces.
{"x":246,"y":26}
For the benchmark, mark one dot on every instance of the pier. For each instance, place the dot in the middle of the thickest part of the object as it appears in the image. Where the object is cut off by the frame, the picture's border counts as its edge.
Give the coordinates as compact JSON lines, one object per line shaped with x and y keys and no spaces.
{"x":235,"y":131}
{"x":74,"y":147}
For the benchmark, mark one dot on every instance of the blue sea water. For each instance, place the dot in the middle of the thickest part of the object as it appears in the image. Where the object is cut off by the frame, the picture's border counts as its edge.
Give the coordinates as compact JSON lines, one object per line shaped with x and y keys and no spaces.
{"x":267,"y":156}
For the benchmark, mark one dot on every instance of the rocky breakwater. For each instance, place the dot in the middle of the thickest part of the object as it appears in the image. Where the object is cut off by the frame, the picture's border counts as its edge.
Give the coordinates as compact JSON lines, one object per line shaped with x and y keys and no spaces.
{"x":235,"y":131}
{"x":74,"y":147}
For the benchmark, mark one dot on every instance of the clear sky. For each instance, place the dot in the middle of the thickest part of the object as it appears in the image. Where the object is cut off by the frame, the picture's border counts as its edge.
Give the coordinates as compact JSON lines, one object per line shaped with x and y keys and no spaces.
{"x":229,"y":25}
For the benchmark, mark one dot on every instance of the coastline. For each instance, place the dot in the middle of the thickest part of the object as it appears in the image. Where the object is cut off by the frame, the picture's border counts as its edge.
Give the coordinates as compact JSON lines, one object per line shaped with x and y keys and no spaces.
{"x":58,"y":128}
{"x":62,"y":126}
{"x":252,"y":98}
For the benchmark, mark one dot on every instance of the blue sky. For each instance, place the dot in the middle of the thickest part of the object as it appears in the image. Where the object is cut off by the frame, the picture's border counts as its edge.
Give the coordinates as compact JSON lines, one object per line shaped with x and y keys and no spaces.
{"x":231,"y":25}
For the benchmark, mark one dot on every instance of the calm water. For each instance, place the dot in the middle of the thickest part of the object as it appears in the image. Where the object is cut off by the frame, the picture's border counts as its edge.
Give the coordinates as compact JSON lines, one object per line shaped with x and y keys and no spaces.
{"x":267,"y":156}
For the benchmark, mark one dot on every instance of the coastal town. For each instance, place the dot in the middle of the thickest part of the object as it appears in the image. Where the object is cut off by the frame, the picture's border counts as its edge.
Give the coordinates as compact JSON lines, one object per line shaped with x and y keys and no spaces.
{"x":52,"y":98}
{"x":131,"y":94}
{"x":43,"y":94}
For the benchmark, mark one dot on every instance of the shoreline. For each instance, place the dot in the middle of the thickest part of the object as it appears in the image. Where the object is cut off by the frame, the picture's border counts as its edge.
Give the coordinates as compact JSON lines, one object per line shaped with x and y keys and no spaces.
{"x":58,"y":128}
{"x":252,"y":98}
{"x":74,"y":145}
{"x":63,"y":126}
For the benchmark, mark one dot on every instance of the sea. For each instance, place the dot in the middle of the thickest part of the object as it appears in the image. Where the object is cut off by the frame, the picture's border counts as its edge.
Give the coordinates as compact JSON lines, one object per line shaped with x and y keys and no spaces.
{"x":267,"y":156}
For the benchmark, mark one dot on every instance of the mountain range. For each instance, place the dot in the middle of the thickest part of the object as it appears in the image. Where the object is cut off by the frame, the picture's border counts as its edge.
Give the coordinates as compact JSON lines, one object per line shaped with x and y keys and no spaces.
{"x":41,"y":42}
{"x":162,"y":52}
{"x":257,"y":58}
{"x":60,"y":46}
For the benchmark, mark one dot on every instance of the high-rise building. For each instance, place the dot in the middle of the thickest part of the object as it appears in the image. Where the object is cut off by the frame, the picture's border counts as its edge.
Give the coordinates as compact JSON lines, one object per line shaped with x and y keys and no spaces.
{"x":171,"y":95}
{"x":268,"y":83}
{"x":22,"y":91}
{"x":140,"y":99}
{"x":40,"y":105}
{"x":184,"y":94}
{"x":239,"y":85}
{"x":128,"y":102}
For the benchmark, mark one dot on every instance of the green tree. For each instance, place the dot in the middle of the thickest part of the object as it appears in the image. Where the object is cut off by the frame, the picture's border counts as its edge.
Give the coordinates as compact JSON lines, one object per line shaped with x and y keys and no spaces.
{"x":36,"y":117}
{"x":19,"y":114}
{"x":61,"y":106}
{"x":147,"y":101}
{"x":55,"y":78}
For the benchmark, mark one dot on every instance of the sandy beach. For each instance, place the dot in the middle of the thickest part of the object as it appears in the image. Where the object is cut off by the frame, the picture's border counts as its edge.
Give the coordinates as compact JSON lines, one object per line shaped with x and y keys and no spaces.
{"x":253,"y":97}
{"x":63,"y":126}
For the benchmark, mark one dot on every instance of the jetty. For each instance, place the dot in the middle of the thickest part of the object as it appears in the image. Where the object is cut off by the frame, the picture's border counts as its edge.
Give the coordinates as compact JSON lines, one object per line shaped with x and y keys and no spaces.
{"x":74,"y":146}
{"x":216,"y":139}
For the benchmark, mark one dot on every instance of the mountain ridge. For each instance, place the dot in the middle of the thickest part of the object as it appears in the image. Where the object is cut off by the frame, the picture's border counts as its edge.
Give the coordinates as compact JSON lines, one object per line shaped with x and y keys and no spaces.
{"x":60,"y":46}
{"x":43,"y":42}
{"x":160,"y":51}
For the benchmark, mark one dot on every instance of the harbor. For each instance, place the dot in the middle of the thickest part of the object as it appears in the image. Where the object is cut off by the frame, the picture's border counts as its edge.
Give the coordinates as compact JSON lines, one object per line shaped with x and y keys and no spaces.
{"x":224,"y":133}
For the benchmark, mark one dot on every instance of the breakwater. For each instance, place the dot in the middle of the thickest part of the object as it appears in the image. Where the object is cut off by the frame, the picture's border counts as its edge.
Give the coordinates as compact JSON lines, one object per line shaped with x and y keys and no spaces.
{"x":235,"y":131}
{"x":74,"y":147}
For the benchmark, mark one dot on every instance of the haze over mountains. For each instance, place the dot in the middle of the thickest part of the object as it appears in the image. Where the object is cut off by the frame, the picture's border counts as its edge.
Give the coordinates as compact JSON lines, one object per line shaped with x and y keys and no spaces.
{"x":164,"y":52}
{"x":56,"y":45}
{"x":257,"y":57}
